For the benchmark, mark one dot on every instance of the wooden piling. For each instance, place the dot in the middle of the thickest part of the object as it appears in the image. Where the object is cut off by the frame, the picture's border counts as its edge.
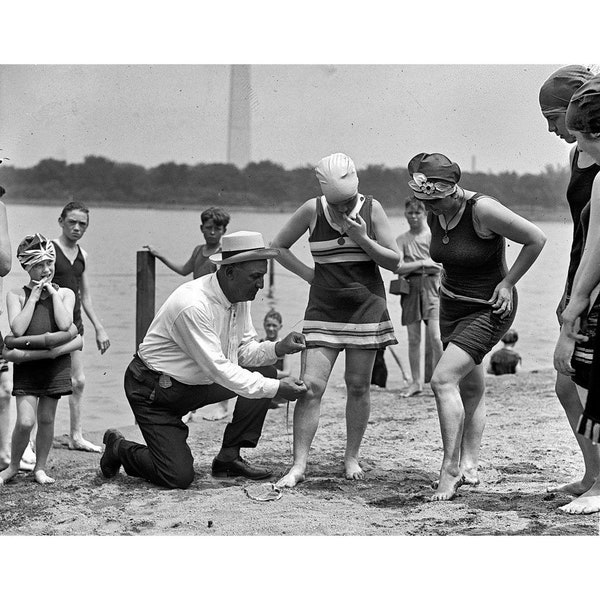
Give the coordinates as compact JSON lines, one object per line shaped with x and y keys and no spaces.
{"x":145,"y":294}
{"x":271,"y":290}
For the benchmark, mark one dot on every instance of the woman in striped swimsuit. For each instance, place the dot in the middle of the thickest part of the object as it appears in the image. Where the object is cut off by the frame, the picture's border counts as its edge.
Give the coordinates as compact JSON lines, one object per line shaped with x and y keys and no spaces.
{"x":350,"y":238}
{"x":477,"y":302}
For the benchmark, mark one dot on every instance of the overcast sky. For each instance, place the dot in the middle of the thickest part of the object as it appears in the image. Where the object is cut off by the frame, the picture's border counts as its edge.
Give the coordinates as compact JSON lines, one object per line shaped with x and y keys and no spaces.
{"x":378,"y":114}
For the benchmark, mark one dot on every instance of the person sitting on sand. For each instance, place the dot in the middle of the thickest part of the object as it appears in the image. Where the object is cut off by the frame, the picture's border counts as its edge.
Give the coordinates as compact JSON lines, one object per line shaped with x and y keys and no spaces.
{"x":350,"y":238}
{"x":478,"y":301}
{"x":38,"y":308}
{"x":202,"y":348}
{"x":506,"y":360}
{"x":213,"y":225}
{"x":272,"y":323}
{"x":583,"y":121}
{"x":554,"y":97}
{"x":422,"y":302}
{"x":71,"y":271}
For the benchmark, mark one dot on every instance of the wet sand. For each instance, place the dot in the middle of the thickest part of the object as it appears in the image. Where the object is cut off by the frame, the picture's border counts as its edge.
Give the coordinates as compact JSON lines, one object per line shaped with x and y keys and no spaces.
{"x":527,"y":447}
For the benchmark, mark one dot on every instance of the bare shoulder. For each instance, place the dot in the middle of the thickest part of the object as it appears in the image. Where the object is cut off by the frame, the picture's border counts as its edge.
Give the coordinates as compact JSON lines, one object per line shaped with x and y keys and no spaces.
{"x":66,"y":293}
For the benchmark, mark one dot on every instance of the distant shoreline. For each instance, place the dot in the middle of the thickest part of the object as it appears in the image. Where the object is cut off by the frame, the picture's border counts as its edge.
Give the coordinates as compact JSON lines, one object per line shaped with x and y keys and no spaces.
{"x":532,"y":212}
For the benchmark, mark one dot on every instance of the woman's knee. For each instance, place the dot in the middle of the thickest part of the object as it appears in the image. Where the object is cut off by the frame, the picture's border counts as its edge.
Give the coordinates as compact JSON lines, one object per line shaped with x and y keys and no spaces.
{"x":357,"y":387}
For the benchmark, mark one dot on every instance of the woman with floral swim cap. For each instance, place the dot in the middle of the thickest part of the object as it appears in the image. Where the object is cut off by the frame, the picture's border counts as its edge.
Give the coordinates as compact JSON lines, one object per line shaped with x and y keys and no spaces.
{"x":477,"y":302}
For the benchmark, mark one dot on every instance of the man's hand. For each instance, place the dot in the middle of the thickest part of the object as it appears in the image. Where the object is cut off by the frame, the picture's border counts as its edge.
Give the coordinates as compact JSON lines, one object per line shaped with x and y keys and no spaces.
{"x":293,"y":342}
{"x":291,"y":388}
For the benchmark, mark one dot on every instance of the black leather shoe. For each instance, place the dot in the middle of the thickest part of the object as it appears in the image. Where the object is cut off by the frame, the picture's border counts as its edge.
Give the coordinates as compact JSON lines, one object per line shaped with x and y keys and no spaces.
{"x":238,"y":468}
{"x":109,"y":462}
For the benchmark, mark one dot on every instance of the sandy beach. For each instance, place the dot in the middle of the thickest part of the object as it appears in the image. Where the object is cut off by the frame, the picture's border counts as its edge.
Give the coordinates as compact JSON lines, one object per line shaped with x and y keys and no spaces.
{"x":527,"y":447}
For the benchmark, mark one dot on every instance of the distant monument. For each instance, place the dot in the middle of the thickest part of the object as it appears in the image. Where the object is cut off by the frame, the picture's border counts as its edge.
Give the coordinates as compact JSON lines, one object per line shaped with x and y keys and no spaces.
{"x":238,"y":146}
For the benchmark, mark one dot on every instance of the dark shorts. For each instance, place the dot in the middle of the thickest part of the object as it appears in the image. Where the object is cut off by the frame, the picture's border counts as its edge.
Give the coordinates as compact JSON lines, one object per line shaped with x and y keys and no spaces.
{"x":473,"y":327}
{"x":423,"y":300}
{"x":583,"y":354}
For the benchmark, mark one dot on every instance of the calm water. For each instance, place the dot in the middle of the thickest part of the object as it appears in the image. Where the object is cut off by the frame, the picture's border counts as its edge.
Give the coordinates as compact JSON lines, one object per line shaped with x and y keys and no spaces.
{"x":115,"y":235}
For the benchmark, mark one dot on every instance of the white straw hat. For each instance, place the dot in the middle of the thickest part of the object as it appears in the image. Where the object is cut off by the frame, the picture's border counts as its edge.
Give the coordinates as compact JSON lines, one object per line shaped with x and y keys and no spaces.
{"x":242,"y":246}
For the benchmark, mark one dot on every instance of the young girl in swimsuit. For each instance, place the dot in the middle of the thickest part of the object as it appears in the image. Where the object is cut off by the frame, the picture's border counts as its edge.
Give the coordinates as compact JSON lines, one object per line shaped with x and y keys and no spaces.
{"x":33,"y":310}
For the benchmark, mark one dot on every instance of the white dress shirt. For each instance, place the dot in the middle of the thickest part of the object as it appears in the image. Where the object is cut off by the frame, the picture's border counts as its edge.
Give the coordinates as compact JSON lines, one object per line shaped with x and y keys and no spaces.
{"x":189,"y":339}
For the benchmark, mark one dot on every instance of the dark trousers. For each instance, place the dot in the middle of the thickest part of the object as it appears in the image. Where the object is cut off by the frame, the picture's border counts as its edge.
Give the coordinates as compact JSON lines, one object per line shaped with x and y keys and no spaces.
{"x":166,"y":460}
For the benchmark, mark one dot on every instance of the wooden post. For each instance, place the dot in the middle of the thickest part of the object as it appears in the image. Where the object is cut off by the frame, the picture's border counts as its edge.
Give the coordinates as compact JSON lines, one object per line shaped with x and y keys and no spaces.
{"x":271,"y":278}
{"x":145,"y":296}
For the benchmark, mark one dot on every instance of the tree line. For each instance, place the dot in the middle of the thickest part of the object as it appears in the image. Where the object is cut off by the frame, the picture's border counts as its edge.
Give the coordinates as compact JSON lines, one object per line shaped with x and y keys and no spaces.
{"x":265,"y":185}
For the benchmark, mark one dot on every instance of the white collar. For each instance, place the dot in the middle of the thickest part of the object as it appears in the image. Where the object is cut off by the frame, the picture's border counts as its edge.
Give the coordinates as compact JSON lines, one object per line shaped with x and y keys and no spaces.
{"x":351,"y":215}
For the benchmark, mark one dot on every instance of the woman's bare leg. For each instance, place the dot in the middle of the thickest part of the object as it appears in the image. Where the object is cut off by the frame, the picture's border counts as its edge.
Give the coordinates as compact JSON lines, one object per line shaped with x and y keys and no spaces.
{"x":359,"y":366}
{"x":472,"y":388}
{"x":318,"y":365}
{"x":572,"y":399}
{"x":452,"y":367}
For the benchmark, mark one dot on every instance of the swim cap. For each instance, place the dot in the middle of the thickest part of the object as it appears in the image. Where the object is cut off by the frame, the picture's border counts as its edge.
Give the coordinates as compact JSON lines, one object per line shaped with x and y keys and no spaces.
{"x":337,"y":176}
{"x":557,"y":90}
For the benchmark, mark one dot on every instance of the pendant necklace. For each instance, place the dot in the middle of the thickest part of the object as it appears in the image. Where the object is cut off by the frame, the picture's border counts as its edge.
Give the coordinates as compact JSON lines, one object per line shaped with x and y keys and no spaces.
{"x":445,"y":238}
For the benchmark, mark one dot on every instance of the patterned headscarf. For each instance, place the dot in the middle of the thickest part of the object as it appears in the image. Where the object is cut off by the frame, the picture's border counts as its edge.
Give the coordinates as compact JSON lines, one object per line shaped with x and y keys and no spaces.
{"x":583,"y":113}
{"x":35,"y":249}
{"x":557,"y":90}
{"x":337,"y":176}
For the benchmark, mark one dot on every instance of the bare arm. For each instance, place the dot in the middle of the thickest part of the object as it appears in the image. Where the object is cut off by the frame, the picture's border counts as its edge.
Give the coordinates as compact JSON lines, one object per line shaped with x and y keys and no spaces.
{"x":500,"y":220}
{"x":289,"y":234}
{"x":102,"y":341}
{"x":383,"y":249}
{"x":5,"y":253}
{"x":63,"y":301}
{"x":183,"y":269}
{"x":20,"y":311}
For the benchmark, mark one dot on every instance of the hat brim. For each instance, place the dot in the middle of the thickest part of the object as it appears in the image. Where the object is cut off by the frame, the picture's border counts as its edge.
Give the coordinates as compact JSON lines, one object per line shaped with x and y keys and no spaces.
{"x":261,"y":254}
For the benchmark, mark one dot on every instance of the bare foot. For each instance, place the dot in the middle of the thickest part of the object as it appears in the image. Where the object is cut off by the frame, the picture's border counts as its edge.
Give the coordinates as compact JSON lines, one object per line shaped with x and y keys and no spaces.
{"x":584,"y":505}
{"x":41,"y":477}
{"x":576,"y":488}
{"x":294,"y":476}
{"x":83,"y":445}
{"x":7,"y":475}
{"x":414,"y":389}
{"x":353,"y":470}
{"x":470,"y":476}
{"x":447,"y":486}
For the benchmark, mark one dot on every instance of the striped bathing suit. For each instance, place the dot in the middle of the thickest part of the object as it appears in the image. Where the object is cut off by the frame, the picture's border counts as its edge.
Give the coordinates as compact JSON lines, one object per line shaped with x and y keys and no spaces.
{"x":347,"y":304}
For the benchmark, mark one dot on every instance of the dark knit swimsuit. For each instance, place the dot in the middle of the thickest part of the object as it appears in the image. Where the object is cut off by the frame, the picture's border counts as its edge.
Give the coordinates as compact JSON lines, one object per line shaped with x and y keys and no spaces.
{"x":473,"y":267}
{"x":47,"y":377}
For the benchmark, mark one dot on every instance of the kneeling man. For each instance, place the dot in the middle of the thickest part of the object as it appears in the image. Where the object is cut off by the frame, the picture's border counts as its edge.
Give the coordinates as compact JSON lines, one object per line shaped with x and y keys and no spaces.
{"x":201,"y":348}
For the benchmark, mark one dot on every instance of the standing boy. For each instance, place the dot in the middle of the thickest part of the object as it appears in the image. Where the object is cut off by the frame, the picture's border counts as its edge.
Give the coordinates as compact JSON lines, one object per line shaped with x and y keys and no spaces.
{"x":422,"y":303}
{"x":71,"y":272}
